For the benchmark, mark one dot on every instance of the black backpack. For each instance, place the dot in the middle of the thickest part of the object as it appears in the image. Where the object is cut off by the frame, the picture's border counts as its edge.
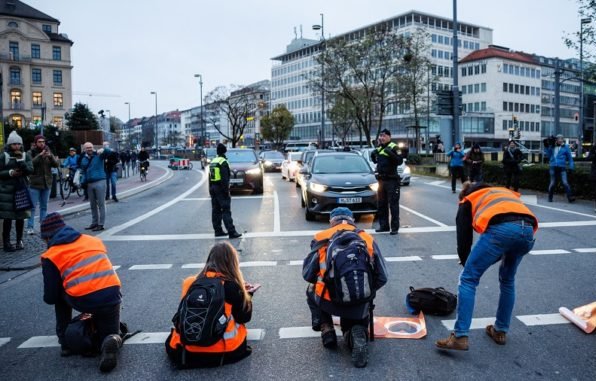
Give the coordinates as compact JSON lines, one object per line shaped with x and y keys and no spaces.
{"x":434,"y":301}
{"x":81,"y":336}
{"x":349,"y":275}
{"x":201,"y":319}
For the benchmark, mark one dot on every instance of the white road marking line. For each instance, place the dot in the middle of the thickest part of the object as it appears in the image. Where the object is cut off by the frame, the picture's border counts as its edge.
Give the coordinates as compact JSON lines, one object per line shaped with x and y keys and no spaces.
{"x":440,"y":182}
{"x":255,"y":334}
{"x":565,"y":224}
{"x":477,"y":323}
{"x":446,"y":256}
{"x":148,"y":338}
{"x":233,"y":197}
{"x":258,"y":263}
{"x":301,"y":332}
{"x":564,"y":211}
{"x":163,"y":266}
{"x":4,"y":340}
{"x":529,"y":199}
{"x":586,"y":250}
{"x":422,"y":216}
{"x":548,"y":252}
{"x":40,"y":342}
{"x":276,"y":216}
{"x":116,"y":267}
{"x":193,"y":266}
{"x":153,"y":212}
{"x":277,"y":250}
{"x":296,"y":263}
{"x":403,"y":259}
{"x":542,"y":319}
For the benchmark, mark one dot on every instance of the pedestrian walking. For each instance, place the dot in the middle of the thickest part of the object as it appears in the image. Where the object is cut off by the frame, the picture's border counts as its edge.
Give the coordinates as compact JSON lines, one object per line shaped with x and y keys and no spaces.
{"x":367,"y":274}
{"x":125,"y":162}
{"x":222,"y":266}
{"x":40,"y":180}
{"x":94,"y":174}
{"x":15,"y":166}
{"x":474,"y":159}
{"x":77,"y":274}
{"x":506,"y":227}
{"x":512,"y":158}
{"x":111,"y":162}
{"x":456,"y":165}
{"x":388,"y":157}
{"x":559,"y":155}
{"x":133,"y":161}
{"x":219,"y":190}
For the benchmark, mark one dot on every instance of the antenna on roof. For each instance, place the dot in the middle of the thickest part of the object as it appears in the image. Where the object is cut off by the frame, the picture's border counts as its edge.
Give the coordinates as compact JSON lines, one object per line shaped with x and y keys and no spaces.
{"x":300,"y":31}
{"x":295,"y":34}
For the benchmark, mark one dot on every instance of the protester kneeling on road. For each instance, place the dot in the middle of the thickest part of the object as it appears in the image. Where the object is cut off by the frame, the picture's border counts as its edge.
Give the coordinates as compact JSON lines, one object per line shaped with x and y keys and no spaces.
{"x":506,"y":227}
{"x":337,"y":251}
{"x":209,"y":326}
{"x":78,"y":274}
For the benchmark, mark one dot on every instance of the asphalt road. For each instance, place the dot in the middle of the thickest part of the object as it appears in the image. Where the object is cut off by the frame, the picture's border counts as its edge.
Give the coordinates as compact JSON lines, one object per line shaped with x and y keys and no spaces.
{"x":162,"y":235}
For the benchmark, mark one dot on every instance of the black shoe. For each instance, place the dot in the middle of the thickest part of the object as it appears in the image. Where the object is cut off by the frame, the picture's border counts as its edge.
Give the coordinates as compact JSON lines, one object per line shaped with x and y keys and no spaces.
{"x":550,"y":198}
{"x":65,"y":351}
{"x":115,"y":199}
{"x":571,"y":200}
{"x":359,"y":342}
{"x":85,"y":199}
{"x":107,"y":198}
{"x":9,"y":247}
{"x":235,"y":235}
{"x":98,"y":228}
{"x":393,"y":232}
{"x":91,"y":227}
{"x":328,"y":336}
{"x":19,"y":245}
{"x":221,"y":234}
{"x":381,"y":230}
{"x":453,"y":191}
{"x":109,"y":353}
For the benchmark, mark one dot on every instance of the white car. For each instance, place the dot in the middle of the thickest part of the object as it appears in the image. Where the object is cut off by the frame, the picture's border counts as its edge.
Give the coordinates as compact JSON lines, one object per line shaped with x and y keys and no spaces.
{"x":403,"y":170}
{"x":290,"y":167}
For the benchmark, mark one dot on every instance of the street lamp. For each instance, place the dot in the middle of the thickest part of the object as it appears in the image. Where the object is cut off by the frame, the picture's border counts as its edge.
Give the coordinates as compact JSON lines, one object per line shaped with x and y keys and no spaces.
{"x":322,"y":28}
{"x":202,"y":126}
{"x":156,"y":146}
{"x":128,"y":103}
{"x":580,"y":129}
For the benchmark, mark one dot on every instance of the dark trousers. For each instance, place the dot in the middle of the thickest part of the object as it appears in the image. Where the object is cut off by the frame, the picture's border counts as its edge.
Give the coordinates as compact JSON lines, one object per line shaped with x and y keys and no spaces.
{"x":7,"y":226}
{"x":321,"y":317}
{"x":475,"y":173}
{"x":388,"y":194}
{"x":457,"y":173}
{"x":512,"y":175}
{"x":106,"y":319}
{"x":221,"y":209}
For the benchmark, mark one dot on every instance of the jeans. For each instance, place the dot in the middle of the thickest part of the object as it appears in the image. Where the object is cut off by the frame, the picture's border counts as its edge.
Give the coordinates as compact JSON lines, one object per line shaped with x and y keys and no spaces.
{"x":562,"y":172}
{"x":506,"y":242}
{"x":97,"y":194}
{"x":111,"y":178}
{"x":40,"y":196}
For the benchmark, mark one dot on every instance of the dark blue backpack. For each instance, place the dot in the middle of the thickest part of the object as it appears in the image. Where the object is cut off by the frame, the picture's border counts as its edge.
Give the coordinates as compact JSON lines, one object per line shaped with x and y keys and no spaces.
{"x":349,"y":275}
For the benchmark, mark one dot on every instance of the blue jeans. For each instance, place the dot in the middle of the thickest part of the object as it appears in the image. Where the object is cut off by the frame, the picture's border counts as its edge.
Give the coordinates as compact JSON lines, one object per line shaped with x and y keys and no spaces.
{"x":553,"y":172}
{"x":41,"y":197}
{"x":507,"y":242}
{"x":111,"y":178}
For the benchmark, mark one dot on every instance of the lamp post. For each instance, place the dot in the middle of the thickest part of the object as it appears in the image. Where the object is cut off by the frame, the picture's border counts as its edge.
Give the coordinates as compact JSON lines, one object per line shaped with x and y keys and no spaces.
{"x":455,"y":88}
{"x":322,"y":28}
{"x":201,"y":126}
{"x":155,"y":132}
{"x":128,"y":103}
{"x":580,"y":130}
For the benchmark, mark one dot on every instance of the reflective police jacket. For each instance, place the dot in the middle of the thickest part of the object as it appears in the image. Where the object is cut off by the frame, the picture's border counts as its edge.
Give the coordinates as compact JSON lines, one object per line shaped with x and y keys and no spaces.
{"x":234,"y":307}
{"x":387,"y":159}
{"x":219,"y":171}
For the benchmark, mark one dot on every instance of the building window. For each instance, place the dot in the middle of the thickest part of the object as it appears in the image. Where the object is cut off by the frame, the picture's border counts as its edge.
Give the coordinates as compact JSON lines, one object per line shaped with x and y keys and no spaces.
{"x":37,"y":99}
{"x":57,"y":77}
{"x":36,"y":76}
{"x":476,"y":87}
{"x":463,"y":71}
{"x":58,"y":100}
{"x":504,"y":106}
{"x":35,"y":51}
{"x":505,"y":68}
{"x":470,"y":70}
{"x":504,"y":87}
{"x":516,"y":107}
{"x":13,"y":48}
{"x":15,"y":76}
{"x":517,"y":89}
{"x":483,"y":68}
{"x":57,"y":121}
{"x":482,"y":106}
{"x":56,"y":53}
{"x":504,"y":124}
{"x":476,"y":69}
{"x":12,"y":24}
{"x":46,"y":28}
{"x":16,"y":121}
{"x":15,"y":99}
{"x":483,"y":87}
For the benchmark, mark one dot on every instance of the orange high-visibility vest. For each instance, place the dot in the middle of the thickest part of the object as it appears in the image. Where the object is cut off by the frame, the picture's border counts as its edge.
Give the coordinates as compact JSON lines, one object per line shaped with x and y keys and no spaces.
{"x":490,"y":202}
{"x":321,"y":290}
{"x":233,"y":337}
{"x":84,"y":266}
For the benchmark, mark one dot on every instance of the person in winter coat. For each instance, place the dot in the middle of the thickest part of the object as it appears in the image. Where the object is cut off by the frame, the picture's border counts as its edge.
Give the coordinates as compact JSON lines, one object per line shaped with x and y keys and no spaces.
{"x":15,"y":165}
{"x":111,"y":167}
{"x":92,"y":165}
{"x":559,"y":155}
{"x":474,"y":159}
{"x":512,"y":157}
{"x":456,"y":165}
{"x":77,"y":274}
{"x":40,"y":181}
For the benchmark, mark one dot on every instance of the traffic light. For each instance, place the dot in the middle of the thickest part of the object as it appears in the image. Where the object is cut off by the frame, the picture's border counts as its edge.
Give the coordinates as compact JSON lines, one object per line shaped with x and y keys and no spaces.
{"x":444,"y":102}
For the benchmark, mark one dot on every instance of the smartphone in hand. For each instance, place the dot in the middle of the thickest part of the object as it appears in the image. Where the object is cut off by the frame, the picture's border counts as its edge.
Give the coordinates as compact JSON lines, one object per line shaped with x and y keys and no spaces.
{"x":251,"y":287}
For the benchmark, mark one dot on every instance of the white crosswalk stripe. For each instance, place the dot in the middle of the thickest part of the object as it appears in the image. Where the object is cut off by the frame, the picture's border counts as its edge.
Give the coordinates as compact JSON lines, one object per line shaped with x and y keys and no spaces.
{"x":4,"y":340}
{"x":544,"y":319}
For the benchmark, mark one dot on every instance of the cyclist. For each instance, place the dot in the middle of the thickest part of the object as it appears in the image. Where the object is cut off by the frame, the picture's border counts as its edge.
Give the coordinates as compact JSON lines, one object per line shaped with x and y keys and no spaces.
{"x":144,"y":158}
{"x":72,"y":163}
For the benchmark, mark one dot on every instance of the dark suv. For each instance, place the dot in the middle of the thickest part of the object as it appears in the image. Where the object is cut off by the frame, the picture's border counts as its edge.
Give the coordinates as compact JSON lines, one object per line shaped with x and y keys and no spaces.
{"x":246,"y":169}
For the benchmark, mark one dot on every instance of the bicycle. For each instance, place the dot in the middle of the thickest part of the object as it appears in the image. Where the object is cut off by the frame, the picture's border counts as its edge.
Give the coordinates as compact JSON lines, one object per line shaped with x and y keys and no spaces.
{"x":68,"y":186}
{"x":143,"y":171}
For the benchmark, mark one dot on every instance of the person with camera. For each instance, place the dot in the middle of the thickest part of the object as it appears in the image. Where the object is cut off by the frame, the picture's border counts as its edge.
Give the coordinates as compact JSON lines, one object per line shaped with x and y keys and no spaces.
{"x":388,"y":157}
{"x":559,"y":155}
{"x":40,"y":181}
{"x":512,"y":157}
{"x":474,"y":159}
{"x":92,"y":165}
{"x":456,"y":165}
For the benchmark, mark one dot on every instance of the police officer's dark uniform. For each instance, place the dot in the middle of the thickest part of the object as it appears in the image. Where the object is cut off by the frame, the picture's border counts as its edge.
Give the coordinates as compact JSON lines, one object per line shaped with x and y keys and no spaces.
{"x":388,"y":157}
{"x":219,"y":190}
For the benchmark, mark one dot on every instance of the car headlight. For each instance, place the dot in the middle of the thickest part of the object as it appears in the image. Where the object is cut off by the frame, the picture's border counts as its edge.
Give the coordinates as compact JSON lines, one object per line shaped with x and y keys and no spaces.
{"x":317,"y":187}
{"x":374,"y":187}
{"x":208,"y":160}
{"x":268,"y":163}
{"x":407,"y":171}
{"x":254,"y":171}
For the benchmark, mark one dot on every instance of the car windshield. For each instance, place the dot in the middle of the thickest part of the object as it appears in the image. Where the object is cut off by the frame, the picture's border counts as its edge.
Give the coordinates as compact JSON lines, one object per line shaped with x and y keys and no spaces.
{"x":210,"y":152}
{"x":340,"y":164}
{"x":273,"y":155}
{"x":241,"y":156}
{"x":293,"y":156}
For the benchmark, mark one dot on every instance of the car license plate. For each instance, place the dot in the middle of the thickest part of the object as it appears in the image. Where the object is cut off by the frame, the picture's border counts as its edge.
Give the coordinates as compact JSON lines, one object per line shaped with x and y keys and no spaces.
{"x":350,"y":200}
{"x":236,"y":181}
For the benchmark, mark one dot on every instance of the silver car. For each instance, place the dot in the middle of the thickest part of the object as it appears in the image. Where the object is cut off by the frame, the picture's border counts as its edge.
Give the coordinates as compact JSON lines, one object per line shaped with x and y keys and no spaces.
{"x":403,"y":170}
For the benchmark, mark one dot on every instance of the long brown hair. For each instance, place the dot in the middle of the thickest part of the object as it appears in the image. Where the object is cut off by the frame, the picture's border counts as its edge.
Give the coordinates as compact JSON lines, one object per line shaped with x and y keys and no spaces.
{"x":223,"y":259}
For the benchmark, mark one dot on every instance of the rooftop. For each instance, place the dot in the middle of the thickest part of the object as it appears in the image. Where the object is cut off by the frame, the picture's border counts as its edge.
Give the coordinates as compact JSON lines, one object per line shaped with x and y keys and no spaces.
{"x":19,"y":9}
{"x":498,"y":52}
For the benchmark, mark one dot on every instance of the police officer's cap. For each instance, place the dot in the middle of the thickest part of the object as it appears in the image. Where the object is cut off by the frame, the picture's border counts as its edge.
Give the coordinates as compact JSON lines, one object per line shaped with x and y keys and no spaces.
{"x":386,"y":132}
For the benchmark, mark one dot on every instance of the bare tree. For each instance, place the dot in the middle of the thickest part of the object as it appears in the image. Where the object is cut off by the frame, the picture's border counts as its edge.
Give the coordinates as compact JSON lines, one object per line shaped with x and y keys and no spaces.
{"x":341,"y":115}
{"x":236,"y":109}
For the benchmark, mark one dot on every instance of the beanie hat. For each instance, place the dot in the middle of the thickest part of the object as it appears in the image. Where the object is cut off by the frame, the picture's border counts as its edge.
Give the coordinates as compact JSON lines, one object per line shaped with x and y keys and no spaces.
{"x":386,"y":132}
{"x":221,"y":149}
{"x":341,"y":213}
{"x":14,"y":138}
{"x":51,"y":224}
{"x":37,"y":137}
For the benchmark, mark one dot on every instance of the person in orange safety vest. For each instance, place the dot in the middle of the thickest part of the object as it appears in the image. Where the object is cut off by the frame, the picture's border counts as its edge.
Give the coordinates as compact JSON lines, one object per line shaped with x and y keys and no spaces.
{"x":222,"y":263}
{"x":506,"y":227}
{"x":78,"y":274}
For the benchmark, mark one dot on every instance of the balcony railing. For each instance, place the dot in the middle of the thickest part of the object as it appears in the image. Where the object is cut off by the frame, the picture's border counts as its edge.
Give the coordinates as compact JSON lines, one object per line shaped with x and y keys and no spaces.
{"x":17,"y":106}
{"x":15,"y":82}
{"x":14,"y":57}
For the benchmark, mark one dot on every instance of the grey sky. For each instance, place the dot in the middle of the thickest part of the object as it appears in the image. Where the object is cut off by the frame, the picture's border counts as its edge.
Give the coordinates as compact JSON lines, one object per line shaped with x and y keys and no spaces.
{"x":132,"y":47}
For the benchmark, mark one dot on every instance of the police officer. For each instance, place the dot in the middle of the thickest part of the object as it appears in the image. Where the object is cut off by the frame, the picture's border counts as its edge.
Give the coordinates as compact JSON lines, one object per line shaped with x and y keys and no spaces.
{"x":219,"y":190}
{"x":388,"y":157}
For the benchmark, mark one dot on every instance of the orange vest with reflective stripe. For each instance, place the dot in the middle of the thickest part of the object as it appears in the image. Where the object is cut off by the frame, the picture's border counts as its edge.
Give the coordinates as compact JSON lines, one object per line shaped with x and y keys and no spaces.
{"x":490,"y":202}
{"x":84,"y":266}
{"x":320,"y":289}
{"x":233,"y":337}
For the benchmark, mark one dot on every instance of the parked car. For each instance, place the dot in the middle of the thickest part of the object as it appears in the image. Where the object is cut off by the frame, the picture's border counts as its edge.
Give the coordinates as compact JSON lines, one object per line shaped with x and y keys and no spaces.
{"x":208,"y":155}
{"x":404,"y":171}
{"x":271,"y":160}
{"x":290,"y":166}
{"x":339,"y":179}
{"x":246,"y":169}
{"x":305,"y":161}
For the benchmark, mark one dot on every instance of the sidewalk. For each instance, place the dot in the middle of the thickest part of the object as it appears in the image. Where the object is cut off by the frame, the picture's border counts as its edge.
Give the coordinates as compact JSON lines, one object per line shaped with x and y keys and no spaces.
{"x":34,"y":245}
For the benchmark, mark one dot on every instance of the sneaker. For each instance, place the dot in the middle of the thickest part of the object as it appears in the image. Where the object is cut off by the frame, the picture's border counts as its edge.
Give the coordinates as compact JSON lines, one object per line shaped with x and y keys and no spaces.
{"x":115,"y":199}
{"x":109,"y":353}
{"x":235,"y":235}
{"x":393,"y":232}
{"x":454,"y":343}
{"x":30,"y":231}
{"x":359,"y":341}
{"x":19,"y":245}
{"x":91,"y":227}
{"x":98,"y":228}
{"x":497,"y":336}
{"x":328,"y":335}
{"x":221,"y":234}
